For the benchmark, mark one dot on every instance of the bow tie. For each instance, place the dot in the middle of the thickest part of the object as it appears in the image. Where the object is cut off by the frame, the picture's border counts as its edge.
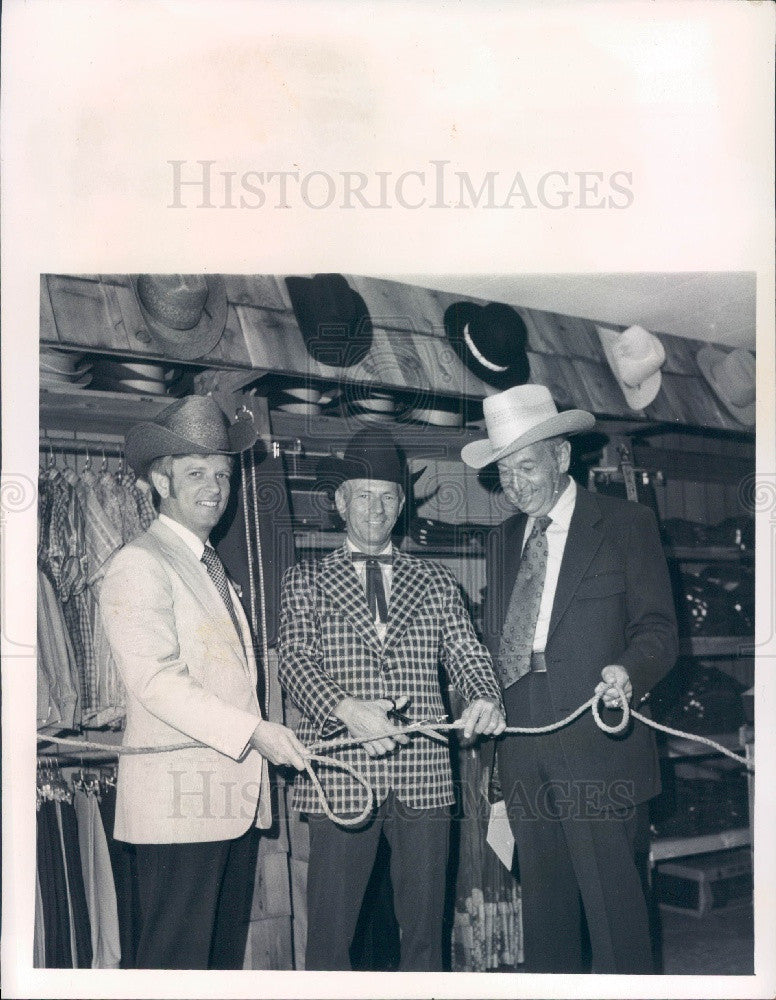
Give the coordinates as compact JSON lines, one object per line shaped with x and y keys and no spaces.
{"x":386,"y":560}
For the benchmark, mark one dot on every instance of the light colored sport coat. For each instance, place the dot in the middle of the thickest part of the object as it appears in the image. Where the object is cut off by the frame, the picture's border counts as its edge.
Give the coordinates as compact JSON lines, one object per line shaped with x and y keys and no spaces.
{"x":188,"y":677}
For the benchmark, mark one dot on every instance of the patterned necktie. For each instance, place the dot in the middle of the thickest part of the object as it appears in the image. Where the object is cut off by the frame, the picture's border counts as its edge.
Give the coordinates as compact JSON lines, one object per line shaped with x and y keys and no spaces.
{"x":217,"y":574}
{"x":514,"y":654}
{"x":375,"y":589}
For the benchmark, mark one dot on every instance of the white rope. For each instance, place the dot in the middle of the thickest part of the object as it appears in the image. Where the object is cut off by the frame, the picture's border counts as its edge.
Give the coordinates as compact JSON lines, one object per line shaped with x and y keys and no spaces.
{"x":314,"y":751}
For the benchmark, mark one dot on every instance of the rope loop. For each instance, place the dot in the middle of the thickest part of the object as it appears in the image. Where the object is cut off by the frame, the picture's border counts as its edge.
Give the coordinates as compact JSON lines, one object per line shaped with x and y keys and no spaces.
{"x":431,"y":729}
{"x":626,"y":711}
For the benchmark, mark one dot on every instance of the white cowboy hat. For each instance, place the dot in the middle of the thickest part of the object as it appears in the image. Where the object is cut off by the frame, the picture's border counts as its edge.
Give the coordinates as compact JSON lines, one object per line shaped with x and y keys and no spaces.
{"x":732,"y":377}
{"x":518,"y":417}
{"x":635,"y":357}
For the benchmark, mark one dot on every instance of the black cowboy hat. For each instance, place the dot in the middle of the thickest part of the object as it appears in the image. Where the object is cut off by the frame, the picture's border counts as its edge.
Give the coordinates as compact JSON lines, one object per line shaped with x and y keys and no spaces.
{"x":371,"y":453}
{"x":334,"y":319}
{"x":491,"y":341}
{"x":193,"y":425}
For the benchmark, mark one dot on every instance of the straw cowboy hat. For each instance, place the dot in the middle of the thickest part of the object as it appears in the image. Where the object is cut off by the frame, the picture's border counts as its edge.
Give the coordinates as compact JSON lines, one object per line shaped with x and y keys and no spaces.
{"x":193,"y":425}
{"x":732,"y":376}
{"x":185,"y":314}
{"x":491,"y":341}
{"x":519,"y":417}
{"x":635,"y":357}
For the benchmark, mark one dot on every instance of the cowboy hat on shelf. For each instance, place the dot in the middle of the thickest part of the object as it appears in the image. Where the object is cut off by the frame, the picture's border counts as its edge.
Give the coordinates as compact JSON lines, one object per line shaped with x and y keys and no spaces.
{"x":333,"y":318}
{"x":491,"y":342}
{"x":193,"y":425}
{"x":732,"y":376}
{"x":518,"y":417}
{"x":635,"y":357}
{"x":185,"y":314}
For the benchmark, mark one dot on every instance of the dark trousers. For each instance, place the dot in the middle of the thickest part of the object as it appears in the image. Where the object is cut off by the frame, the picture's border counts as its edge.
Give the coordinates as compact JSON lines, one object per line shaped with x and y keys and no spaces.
{"x":195,"y":903}
{"x":341,"y":861}
{"x":573,"y":857}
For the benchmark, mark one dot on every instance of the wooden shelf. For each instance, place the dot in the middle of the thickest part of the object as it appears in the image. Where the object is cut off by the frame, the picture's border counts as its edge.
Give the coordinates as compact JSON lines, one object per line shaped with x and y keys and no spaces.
{"x":708,"y":553}
{"x":663,"y":848}
{"x":716,"y":645}
{"x":677,"y":748}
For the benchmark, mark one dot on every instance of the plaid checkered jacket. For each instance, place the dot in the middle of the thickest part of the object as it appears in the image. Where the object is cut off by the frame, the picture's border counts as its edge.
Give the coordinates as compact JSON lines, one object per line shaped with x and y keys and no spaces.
{"x":329,"y":650}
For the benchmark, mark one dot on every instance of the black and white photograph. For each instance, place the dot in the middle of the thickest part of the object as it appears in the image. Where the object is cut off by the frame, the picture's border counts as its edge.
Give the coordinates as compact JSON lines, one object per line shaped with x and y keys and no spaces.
{"x":365,"y":462}
{"x":387,"y":567}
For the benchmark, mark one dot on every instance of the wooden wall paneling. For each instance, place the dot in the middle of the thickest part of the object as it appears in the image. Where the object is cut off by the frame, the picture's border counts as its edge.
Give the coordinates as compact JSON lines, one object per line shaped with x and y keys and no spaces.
{"x":380,"y":366}
{"x":548,"y":370}
{"x":591,"y":389}
{"x":298,"y":832}
{"x":85,"y":315}
{"x":272,"y":885}
{"x":408,"y":362}
{"x":671,"y":403}
{"x":274,"y":342}
{"x":603,"y":388}
{"x":577,"y":337}
{"x":445,"y":372}
{"x":395,"y":306}
{"x":263,"y":291}
{"x":299,"y":907}
{"x":392,"y":360}
{"x":231,"y":347}
{"x":567,"y":336}
{"x":48,"y":325}
{"x":410,"y":308}
{"x":680,"y":355}
{"x":269,"y":944}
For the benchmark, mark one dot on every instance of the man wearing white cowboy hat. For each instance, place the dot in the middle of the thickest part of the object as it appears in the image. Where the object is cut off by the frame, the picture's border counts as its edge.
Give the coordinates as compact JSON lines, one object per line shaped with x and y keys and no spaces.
{"x":578,"y":600}
{"x":184,"y":651}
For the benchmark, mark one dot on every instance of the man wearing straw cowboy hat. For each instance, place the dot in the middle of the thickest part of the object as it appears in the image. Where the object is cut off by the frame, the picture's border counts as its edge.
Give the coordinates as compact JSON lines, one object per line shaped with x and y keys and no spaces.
{"x":578,"y":601}
{"x":183,"y":648}
{"x":364,"y":632}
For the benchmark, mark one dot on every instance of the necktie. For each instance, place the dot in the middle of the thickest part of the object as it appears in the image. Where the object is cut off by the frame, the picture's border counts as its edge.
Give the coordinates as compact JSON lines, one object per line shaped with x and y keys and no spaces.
{"x":514,"y":654}
{"x":375,"y":590}
{"x":217,"y":574}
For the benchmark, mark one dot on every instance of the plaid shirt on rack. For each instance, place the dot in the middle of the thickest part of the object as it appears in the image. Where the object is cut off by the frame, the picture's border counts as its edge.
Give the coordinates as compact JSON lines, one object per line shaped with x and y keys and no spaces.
{"x":329,"y":649}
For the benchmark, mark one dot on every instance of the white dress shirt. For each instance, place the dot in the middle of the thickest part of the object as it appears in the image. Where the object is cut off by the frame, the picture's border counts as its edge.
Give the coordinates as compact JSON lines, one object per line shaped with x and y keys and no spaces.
{"x":386,"y":569}
{"x":195,"y":543}
{"x":556,"y":533}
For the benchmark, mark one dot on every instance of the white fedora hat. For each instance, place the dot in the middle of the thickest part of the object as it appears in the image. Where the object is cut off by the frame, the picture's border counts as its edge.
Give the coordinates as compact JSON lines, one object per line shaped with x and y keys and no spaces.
{"x":732,"y":376}
{"x":635,"y":357}
{"x":519,"y":417}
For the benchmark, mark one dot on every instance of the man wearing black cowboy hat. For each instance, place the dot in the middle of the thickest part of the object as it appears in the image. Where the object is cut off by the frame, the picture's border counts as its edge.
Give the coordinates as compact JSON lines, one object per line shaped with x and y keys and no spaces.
{"x":184,"y":651}
{"x":363,"y":634}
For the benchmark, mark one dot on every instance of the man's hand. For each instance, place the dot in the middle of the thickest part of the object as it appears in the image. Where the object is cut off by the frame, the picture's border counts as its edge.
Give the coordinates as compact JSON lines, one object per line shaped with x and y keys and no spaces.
{"x":365,"y":719}
{"x":483,"y":717}
{"x":278,"y":744}
{"x":614,"y":674}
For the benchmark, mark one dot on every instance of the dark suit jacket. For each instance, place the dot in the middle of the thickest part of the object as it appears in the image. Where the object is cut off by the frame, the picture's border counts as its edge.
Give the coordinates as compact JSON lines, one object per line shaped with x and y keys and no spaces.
{"x":613,"y":604}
